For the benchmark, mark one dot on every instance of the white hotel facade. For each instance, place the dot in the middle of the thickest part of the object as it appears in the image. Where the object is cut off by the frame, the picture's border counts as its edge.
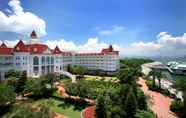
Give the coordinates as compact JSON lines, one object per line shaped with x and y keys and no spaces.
{"x":38,"y":59}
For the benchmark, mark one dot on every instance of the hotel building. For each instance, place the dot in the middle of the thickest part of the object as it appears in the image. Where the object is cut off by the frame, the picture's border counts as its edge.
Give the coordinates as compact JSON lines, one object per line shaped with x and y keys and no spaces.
{"x":38,"y":59}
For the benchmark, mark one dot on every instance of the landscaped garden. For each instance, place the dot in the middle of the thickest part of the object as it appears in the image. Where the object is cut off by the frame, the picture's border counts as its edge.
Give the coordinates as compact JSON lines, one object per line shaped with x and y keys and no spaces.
{"x":113,"y":97}
{"x":34,"y":97}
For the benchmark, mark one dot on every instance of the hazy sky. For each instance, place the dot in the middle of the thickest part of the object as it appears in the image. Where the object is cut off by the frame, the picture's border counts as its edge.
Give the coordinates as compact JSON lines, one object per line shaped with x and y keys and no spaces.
{"x":135,"y":27}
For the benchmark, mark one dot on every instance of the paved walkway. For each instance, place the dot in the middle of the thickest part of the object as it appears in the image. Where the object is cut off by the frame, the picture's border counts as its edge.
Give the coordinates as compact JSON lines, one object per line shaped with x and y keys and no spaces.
{"x":57,"y":115}
{"x":160,"y":103}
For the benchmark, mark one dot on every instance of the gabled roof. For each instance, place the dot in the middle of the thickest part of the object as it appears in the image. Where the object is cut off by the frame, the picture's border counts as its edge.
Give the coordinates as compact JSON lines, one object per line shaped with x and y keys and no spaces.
{"x":109,"y":50}
{"x":4,"y":50}
{"x":20,"y":47}
{"x":3,"y":45}
{"x":56,"y":50}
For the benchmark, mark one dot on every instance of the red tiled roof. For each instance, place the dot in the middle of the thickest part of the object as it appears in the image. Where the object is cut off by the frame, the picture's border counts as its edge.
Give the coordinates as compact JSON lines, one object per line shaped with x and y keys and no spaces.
{"x":30,"y":48}
{"x":3,"y":45}
{"x":109,"y":50}
{"x":37,"y":48}
{"x":56,"y":50}
{"x":41,"y":48}
{"x":6,"y":51}
{"x":20,"y":47}
{"x":104,"y":51}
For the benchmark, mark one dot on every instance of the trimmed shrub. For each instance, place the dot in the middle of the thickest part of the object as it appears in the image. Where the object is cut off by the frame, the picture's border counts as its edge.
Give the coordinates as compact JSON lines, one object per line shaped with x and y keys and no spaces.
{"x":176,"y":106}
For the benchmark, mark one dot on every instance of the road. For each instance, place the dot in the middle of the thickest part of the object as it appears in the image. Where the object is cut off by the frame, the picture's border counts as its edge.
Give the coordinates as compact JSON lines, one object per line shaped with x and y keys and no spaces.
{"x":160,"y":103}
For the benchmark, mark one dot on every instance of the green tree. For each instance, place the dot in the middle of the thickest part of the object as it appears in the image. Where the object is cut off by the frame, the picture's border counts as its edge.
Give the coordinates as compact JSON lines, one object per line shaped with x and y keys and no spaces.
{"x":159,"y":76}
{"x":38,"y":88}
{"x":156,"y":73}
{"x":176,"y":106}
{"x":7,"y":95}
{"x":13,"y":73}
{"x":128,"y":75}
{"x":26,"y":112}
{"x":133,"y":62}
{"x":17,"y":80}
{"x":181,"y":85}
{"x":109,"y":105}
{"x":21,"y":82}
{"x":153,"y":74}
{"x":144,"y":114}
{"x":131,"y":104}
{"x":142,"y":100}
{"x":49,"y":78}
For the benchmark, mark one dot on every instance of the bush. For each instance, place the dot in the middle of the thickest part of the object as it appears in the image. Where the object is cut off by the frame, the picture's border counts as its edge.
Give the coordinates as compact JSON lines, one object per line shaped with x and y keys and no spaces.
{"x":7,"y":95}
{"x":176,"y":106}
{"x":27,"y":112}
{"x":88,"y":89}
{"x":144,"y":114}
{"x":150,"y":85}
{"x":38,"y":87}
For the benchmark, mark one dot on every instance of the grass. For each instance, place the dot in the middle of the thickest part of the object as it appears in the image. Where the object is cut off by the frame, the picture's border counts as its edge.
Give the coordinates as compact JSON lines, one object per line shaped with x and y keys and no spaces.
{"x":99,"y":78}
{"x":67,"y":110}
{"x":59,"y":106}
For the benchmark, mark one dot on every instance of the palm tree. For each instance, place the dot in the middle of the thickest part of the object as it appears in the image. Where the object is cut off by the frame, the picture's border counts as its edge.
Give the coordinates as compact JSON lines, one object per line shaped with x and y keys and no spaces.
{"x":153,"y":73}
{"x":159,"y":75}
{"x":156,"y":73}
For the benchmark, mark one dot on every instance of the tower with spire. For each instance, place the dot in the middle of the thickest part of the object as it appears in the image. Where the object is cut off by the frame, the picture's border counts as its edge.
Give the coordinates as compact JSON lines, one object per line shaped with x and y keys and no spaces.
{"x":34,"y":38}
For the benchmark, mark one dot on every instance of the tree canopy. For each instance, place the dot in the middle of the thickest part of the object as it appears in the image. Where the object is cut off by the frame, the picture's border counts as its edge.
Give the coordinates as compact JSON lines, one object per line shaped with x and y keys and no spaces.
{"x":6,"y":94}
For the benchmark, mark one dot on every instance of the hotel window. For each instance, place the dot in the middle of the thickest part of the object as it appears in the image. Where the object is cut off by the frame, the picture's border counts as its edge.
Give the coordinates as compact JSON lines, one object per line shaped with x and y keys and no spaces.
{"x":43,"y":60}
{"x":48,"y":60}
{"x":35,"y":60}
{"x":52,"y":60}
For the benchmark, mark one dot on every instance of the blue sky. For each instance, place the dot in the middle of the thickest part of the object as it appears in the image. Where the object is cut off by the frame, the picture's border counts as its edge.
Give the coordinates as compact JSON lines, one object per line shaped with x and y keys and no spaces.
{"x":120,"y":22}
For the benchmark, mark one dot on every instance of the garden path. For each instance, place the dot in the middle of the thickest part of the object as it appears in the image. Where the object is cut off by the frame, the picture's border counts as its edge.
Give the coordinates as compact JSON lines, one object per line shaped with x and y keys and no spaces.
{"x":160,"y":103}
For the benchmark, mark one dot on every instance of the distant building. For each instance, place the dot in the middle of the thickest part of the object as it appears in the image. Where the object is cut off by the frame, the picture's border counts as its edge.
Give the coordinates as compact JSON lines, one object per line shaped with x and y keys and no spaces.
{"x":147,"y":67}
{"x":38,"y":59}
{"x":177,"y":68}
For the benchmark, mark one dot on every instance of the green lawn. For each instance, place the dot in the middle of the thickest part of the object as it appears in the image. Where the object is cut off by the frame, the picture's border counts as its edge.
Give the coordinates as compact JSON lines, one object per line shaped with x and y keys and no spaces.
{"x":60,"y":106}
{"x":67,"y":110}
{"x":99,"y":78}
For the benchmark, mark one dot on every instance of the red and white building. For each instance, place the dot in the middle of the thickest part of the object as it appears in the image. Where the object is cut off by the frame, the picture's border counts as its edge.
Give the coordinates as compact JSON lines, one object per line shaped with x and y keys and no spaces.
{"x":38,"y":59}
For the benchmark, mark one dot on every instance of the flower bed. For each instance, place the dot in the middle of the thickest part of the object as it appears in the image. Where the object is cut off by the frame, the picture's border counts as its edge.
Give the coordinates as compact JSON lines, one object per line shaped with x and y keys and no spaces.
{"x":89,"y":112}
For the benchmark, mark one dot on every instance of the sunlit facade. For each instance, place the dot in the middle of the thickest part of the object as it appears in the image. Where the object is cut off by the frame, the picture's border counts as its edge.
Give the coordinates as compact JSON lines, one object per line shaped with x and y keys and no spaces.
{"x":38,"y":59}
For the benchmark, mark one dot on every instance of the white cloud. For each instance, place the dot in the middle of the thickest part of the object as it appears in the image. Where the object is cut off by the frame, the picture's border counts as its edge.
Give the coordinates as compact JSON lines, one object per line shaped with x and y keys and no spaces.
{"x":164,"y":45}
{"x":92,"y":45}
{"x":21,"y":22}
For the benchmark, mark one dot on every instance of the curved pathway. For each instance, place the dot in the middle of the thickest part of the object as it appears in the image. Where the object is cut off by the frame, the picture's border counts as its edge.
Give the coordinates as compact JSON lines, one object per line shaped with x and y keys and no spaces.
{"x":57,"y":115}
{"x":160,"y":103}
